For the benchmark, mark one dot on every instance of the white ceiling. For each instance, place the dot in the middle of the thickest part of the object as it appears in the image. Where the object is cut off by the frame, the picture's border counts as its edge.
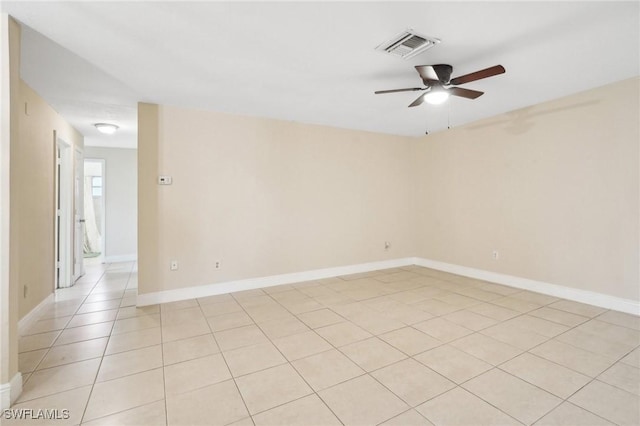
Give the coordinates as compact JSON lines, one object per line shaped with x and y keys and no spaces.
{"x":315,"y":62}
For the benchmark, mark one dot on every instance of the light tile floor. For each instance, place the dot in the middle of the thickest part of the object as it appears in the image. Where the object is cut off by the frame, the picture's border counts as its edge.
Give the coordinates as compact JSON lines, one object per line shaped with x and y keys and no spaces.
{"x":406,"y":346}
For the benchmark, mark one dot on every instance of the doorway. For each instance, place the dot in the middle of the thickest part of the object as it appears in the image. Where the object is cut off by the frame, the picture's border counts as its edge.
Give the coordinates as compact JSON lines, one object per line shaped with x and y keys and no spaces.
{"x":69,"y":217}
{"x":63,"y":228}
{"x":78,"y":215}
{"x":94,"y":211}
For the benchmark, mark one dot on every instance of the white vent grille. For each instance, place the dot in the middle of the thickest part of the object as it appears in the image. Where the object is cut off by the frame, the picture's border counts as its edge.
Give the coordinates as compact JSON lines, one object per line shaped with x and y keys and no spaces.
{"x":408,"y":44}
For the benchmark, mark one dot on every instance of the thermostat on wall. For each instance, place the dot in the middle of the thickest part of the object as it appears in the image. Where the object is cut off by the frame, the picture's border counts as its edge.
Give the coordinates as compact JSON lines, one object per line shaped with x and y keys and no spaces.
{"x":165,"y":180}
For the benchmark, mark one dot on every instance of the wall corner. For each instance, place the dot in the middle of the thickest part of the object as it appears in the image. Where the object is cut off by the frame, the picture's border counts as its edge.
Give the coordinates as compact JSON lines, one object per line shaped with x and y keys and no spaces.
{"x":148,"y":213}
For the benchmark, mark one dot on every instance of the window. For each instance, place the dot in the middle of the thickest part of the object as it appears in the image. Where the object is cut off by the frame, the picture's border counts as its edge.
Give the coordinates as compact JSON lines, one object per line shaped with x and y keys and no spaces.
{"x":96,"y":186}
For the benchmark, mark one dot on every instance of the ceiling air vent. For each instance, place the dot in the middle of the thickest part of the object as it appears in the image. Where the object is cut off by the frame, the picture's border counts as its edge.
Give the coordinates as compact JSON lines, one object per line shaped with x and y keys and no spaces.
{"x":408,"y":44}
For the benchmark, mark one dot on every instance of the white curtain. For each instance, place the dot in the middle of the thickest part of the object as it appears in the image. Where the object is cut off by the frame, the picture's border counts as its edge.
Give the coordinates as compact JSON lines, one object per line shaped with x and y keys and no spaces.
{"x":91,"y":231}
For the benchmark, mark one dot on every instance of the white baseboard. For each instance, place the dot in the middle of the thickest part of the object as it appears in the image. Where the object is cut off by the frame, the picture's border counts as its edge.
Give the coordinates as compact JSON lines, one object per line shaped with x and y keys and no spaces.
{"x":584,"y":296}
{"x":121,"y":258}
{"x":270,"y":281}
{"x":33,"y":315}
{"x":9,"y":392}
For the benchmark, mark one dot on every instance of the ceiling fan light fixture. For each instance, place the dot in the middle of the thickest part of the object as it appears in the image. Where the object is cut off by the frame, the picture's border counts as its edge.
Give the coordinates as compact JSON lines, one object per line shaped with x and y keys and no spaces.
{"x":436,"y":97}
{"x":106,"y":128}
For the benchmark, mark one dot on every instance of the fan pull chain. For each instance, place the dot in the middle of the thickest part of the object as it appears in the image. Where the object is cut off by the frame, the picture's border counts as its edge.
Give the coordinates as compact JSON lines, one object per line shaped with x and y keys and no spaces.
{"x":449,"y":115}
{"x":427,"y":124}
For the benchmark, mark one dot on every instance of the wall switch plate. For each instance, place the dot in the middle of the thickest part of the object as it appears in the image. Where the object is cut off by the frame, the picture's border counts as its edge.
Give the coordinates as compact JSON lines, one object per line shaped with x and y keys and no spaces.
{"x":174,"y":265}
{"x":495,"y":255}
{"x":165,"y":180}
{"x":387,"y":245}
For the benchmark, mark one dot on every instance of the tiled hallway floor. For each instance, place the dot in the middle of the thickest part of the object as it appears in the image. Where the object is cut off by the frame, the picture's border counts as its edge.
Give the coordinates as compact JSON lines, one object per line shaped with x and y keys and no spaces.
{"x":408,"y":346}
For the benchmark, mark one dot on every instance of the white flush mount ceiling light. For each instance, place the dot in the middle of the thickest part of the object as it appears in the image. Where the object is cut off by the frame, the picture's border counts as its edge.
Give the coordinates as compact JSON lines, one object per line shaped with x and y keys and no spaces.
{"x":106,"y":128}
{"x":436,"y":97}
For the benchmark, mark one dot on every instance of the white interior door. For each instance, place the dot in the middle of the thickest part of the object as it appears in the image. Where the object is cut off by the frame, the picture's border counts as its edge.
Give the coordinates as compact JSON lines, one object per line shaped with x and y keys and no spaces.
{"x":58,"y":211}
{"x":78,"y":216}
{"x":64,"y":219}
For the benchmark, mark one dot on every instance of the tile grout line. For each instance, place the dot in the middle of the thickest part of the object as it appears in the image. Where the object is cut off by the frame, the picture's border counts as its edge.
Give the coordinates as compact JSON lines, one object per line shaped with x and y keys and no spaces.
{"x":80,"y":341}
{"x":369,"y":373}
{"x":84,"y":412}
{"x":365,"y":372}
{"x":105,"y":381}
{"x":349,"y":300}
{"x":493,"y":366}
{"x":61,"y":331}
{"x":563,"y":400}
{"x":526,"y":351}
{"x":226,"y":364}
{"x":164,"y":376}
{"x":290,"y":363}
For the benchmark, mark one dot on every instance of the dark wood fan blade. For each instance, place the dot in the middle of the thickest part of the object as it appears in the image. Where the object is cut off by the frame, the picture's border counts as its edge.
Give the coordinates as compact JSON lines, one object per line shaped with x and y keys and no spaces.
{"x":478,"y":75}
{"x":418,"y":101}
{"x":413,"y":89}
{"x":465,"y":93}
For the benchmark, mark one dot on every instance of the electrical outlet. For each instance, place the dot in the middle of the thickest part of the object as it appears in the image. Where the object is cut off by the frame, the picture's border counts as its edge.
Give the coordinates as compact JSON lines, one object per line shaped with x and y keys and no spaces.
{"x":218,"y":264}
{"x":165,"y":180}
{"x":174,"y":265}
{"x":387,"y":245}
{"x":495,"y":255}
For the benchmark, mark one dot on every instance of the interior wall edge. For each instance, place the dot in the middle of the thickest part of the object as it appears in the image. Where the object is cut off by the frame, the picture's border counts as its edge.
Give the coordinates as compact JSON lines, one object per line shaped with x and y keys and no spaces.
{"x":34,"y":314}
{"x":147,"y":227}
{"x":10,"y":391}
{"x":564,"y":292}
{"x":121,"y":258}
{"x":577,"y":295}
{"x":9,"y":242}
{"x":33,"y":202}
{"x":186,"y":293}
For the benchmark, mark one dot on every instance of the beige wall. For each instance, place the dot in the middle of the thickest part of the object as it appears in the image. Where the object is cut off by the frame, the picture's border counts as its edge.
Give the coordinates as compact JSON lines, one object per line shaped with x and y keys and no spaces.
{"x":33,"y":188}
{"x":266,"y":197}
{"x":149,"y":270}
{"x":28,"y":126}
{"x":9,"y":113}
{"x":554,"y":188}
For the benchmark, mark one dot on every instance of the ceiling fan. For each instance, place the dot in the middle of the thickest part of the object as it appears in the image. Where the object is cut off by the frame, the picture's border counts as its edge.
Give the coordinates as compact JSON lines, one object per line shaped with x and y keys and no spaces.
{"x":439,"y":84}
